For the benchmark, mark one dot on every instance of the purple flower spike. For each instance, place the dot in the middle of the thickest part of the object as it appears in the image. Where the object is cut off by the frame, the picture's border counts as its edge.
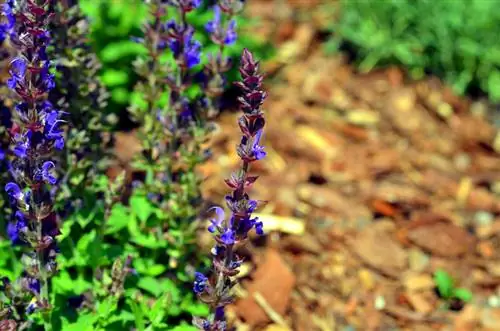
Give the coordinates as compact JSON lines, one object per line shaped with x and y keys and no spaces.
{"x":225,"y":261}
{"x":36,"y":133}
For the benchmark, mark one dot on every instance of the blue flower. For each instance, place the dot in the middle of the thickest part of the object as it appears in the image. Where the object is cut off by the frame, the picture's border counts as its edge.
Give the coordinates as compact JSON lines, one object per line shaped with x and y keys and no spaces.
{"x":22,"y":145}
{"x":14,"y":229}
{"x":10,"y":21}
{"x":22,"y":109}
{"x":231,"y":35}
{"x":34,"y":285}
{"x":13,"y":191}
{"x":200,"y":283}
{"x":2,"y":154}
{"x":52,"y":130}
{"x":45,"y":173}
{"x":47,"y":79}
{"x":17,"y":72}
{"x":32,"y":306}
{"x":192,"y":50}
{"x":213,"y":25}
{"x":228,"y":237}
{"x":259,"y":227}
{"x":217,"y":221}
{"x":257,"y":150}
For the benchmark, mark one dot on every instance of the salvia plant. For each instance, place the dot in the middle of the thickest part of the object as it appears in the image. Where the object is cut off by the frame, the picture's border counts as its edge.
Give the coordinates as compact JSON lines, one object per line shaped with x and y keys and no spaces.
{"x":180,"y":96}
{"x":35,"y":134}
{"x":7,"y":22}
{"x":74,"y":234}
{"x":233,"y":231}
{"x":81,"y":95}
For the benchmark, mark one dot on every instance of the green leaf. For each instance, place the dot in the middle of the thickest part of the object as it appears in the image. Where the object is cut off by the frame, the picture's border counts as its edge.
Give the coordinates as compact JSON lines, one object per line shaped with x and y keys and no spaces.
{"x":112,"y":77}
{"x":85,"y":322}
{"x":63,"y":283}
{"x":151,"y":285}
{"x":120,"y":95}
{"x":157,"y":312}
{"x":463,"y":294}
{"x":494,"y":85}
{"x":138,"y":314}
{"x":141,"y":207}
{"x":184,"y":327}
{"x":444,"y":283}
{"x":106,"y":307}
{"x":118,"y":219}
{"x":114,"y":51}
{"x":83,"y":244}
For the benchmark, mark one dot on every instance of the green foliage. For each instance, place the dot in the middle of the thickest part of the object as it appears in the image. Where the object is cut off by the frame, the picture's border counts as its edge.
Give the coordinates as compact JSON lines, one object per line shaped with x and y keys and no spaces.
{"x":457,"y":40}
{"x":114,"y":22}
{"x":446,"y":287}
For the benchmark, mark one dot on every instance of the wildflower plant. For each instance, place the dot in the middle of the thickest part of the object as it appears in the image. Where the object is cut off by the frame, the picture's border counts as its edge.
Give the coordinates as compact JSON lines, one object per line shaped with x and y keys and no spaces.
{"x":233,"y":231}
{"x":78,"y":92}
{"x":178,"y":98}
{"x":35,"y":134}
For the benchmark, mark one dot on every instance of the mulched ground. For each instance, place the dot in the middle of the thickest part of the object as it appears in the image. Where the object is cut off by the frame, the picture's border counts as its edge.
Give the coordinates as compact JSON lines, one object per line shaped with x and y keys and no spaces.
{"x":373,"y":183}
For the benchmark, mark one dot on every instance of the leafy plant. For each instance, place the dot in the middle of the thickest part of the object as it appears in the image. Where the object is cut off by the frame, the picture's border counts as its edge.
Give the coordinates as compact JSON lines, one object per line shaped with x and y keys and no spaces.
{"x":446,"y":288}
{"x":456,"y":40}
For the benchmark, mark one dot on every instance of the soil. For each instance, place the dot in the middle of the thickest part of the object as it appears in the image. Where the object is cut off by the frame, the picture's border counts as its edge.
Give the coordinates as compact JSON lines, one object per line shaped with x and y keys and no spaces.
{"x":373,"y":182}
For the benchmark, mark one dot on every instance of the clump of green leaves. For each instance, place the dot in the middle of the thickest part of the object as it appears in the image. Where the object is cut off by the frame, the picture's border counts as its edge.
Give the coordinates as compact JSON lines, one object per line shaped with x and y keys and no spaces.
{"x":457,"y":40}
{"x":447,"y":290}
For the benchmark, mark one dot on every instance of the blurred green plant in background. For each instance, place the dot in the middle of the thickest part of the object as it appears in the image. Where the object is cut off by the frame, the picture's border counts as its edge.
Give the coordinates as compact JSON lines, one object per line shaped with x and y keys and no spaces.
{"x":457,"y":40}
{"x":114,"y":22}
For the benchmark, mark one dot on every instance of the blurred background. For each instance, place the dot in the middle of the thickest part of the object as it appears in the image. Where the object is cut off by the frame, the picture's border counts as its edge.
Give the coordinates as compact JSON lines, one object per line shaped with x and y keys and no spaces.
{"x":382,"y":180}
{"x":383,"y":176}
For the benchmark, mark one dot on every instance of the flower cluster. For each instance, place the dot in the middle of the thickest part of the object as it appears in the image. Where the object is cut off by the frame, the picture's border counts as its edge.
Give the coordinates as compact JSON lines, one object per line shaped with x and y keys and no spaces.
{"x":8,"y":20}
{"x":35,"y":134}
{"x":222,"y":30}
{"x":229,"y":232}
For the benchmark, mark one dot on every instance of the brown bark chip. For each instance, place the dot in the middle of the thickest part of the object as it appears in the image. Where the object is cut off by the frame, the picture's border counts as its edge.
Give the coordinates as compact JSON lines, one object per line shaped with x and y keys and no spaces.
{"x":274,"y":281}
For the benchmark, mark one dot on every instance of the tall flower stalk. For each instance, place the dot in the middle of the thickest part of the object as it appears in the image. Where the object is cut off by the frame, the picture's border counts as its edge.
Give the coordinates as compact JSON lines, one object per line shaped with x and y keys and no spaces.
{"x":35,"y":134}
{"x":174,"y":122}
{"x":215,"y":290}
{"x":80,"y":93}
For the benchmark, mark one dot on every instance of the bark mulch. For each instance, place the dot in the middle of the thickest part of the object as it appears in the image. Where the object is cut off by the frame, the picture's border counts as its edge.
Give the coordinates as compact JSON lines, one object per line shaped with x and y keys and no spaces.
{"x":373,"y":183}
